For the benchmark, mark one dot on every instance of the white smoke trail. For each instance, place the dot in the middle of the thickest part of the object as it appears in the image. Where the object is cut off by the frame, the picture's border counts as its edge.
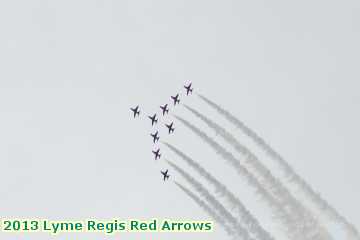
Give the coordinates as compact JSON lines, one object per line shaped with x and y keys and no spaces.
{"x":277,"y":210}
{"x":298,"y":227}
{"x":271,"y":184}
{"x":236,"y":226}
{"x":207,"y":209}
{"x":321,"y":204}
{"x":245,"y":217}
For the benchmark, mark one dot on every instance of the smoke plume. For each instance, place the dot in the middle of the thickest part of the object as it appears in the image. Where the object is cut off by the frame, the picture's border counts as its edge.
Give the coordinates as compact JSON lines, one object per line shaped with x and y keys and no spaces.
{"x":244,"y":216}
{"x":225,"y":214}
{"x":321,"y":204}
{"x":207,"y":209}
{"x":270,"y":183}
{"x":298,"y":226}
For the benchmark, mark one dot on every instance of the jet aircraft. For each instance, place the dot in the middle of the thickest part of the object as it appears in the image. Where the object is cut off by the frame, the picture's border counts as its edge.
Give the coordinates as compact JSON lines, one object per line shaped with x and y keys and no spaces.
{"x":164,"y":109}
{"x":176,"y":99}
{"x":153,"y":119}
{"x":188,"y":89}
{"x":170,"y":127}
{"x":157,"y":154}
{"x":165,"y":174}
{"x":155,"y":136}
{"x":136,"y":111}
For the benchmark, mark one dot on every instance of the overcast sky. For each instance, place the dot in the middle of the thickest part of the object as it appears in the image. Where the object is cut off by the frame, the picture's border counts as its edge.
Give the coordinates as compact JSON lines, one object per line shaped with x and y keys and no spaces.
{"x":70,"y":71}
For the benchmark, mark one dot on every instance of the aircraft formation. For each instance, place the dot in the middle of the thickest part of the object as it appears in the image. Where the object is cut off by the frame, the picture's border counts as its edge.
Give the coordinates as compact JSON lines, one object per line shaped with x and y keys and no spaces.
{"x":170,"y":126}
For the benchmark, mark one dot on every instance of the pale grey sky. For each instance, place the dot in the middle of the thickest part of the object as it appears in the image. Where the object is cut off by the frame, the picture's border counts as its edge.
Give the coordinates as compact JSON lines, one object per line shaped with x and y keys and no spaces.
{"x":70,"y":71}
